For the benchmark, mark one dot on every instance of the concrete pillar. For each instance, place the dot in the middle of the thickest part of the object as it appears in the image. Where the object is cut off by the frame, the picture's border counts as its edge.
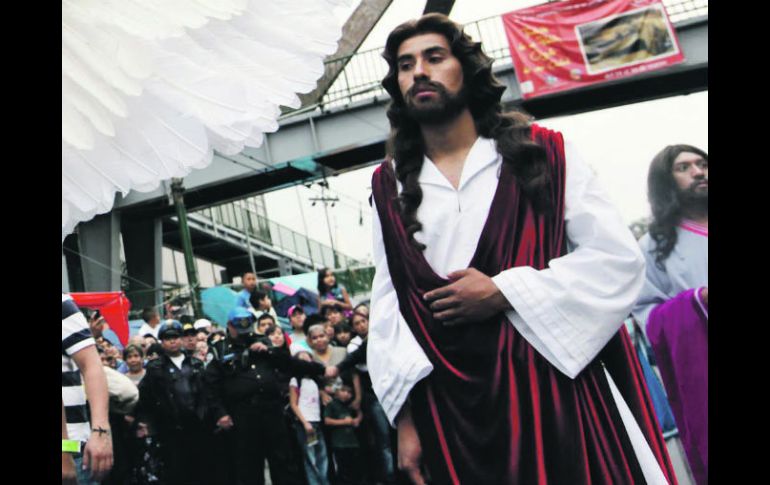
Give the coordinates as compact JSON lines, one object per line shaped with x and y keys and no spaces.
{"x":72,"y":266}
{"x":65,"y":281}
{"x":99,"y":241}
{"x":143,"y":246}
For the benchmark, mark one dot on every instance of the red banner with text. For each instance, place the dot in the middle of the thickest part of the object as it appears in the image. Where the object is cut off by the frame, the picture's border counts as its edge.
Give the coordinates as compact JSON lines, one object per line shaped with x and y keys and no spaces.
{"x":576,"y":43}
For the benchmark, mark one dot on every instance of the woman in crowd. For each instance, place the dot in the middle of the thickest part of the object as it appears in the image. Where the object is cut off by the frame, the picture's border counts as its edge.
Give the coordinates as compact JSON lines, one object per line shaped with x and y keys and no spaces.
{"x":332,"y":293}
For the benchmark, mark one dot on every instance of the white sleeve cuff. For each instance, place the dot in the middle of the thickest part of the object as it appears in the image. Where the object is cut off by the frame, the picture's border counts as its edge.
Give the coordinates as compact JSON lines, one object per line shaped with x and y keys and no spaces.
{"x":75,"y":348}
{"x":533,"y":318}
{"x":409,"y":375}
{"x":396,"y":363}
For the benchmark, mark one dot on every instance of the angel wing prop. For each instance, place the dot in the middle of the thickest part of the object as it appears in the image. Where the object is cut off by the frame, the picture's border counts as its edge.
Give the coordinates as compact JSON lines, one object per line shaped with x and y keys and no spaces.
{"x":151,"y":87}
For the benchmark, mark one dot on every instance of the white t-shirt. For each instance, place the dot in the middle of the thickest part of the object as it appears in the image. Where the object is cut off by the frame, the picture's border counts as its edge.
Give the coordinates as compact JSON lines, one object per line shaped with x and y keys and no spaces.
{"x":308,"y":402}
{"x":146,"y":328}
{"x":300,"y":346}
{"x":177,"y":360}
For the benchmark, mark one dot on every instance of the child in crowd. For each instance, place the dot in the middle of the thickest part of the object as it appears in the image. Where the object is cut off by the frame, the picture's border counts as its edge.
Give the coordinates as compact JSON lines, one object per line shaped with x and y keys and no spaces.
{"x":136,"y":341}
{"x":329,"y":329}
{"x":154,"y":351}
{"x":107,"y":359}
{"x":134,"y":358}
{"x":305,"y":402}
{"x":264,"y":326}
{"x":262,"y":304}
{"x":202,"y":351}
{"x":263,"y":321}
{"x":362,"y":309}
{"x":334,"y":315}
{"x":342,"y":334}
{"x":341,"y":419}
{"x":297,"y":319}
{"x":276,"y":336}
{"x":377,"y":432}
{"x":327,"y":355}
{"x":332,"y":293}
{"x":148,"y":340}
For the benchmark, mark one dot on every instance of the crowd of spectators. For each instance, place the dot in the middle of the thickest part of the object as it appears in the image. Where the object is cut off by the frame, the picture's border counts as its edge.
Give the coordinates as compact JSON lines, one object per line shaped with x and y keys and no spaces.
{"x":181,"y":410}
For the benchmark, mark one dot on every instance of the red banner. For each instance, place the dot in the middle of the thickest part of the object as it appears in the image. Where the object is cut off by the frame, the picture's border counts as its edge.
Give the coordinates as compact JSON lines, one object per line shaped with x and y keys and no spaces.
{"x":576,"y":43}
{"x":113,"y":306}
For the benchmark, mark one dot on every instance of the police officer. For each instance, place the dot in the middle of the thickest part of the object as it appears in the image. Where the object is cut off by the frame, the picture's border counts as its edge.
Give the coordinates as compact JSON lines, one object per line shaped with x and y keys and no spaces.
{"x":248,"y":387}
{"x":189,"y":338}
{"x":172,"y":404}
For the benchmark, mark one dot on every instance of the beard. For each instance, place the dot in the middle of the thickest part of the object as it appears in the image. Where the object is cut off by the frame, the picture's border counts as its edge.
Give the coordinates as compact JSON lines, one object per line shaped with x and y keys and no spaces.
{"x":694,"y":198}
{"x":443,"y":108}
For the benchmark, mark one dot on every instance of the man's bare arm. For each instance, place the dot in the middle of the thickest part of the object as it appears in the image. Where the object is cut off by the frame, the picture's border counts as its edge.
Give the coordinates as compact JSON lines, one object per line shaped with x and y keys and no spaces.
{"x":98,"y":451}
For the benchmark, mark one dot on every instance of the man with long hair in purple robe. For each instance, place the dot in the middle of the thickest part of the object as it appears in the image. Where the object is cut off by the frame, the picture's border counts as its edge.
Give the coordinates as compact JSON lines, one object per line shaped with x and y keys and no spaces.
{"x":503,"y":276}
{"x":673,"y":305}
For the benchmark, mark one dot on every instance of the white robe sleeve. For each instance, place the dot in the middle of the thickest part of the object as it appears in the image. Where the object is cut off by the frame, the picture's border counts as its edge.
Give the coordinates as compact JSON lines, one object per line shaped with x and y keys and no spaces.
{"x":395,"y":360}
{"x":570,"y":310}
{"x":657,"y":285}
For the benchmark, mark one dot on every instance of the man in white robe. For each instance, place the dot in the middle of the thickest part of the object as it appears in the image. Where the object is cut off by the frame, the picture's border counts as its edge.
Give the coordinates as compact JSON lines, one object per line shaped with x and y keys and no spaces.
{"x":567,"y":312}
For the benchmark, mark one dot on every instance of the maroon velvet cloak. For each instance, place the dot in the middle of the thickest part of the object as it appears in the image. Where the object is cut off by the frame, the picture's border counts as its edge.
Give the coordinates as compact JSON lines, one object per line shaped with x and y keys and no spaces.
{"x":494,"y":411}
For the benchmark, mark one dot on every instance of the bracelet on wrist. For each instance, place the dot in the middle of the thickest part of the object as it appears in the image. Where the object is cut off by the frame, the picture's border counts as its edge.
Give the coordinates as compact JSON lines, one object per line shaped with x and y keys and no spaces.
{"x":101,"y":431}
{"x":70,"y":446}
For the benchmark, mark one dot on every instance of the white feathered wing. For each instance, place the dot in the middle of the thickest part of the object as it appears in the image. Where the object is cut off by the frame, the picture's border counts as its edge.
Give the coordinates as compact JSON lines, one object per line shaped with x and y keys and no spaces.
{"x":151,"y":87}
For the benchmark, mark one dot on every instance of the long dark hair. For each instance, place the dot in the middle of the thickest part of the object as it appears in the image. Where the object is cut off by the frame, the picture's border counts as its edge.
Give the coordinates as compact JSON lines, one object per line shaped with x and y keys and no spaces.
{"x":511,"y":131}
{"x":322,"y":288}
{"x":662,"y":192}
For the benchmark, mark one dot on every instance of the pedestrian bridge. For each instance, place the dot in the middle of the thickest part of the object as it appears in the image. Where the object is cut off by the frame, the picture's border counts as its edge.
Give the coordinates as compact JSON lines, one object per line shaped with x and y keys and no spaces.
{"x":348,"y":128}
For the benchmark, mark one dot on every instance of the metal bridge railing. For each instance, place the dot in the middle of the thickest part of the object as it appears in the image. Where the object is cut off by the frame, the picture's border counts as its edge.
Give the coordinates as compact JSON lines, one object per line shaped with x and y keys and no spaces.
{"x":241,"y":216}
{"x":360,"y":80}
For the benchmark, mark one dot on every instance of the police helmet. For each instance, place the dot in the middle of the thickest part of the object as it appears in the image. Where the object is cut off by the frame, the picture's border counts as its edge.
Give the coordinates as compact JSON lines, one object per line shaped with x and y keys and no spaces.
{"x":169,"y":329}
{"x":242,"y":320}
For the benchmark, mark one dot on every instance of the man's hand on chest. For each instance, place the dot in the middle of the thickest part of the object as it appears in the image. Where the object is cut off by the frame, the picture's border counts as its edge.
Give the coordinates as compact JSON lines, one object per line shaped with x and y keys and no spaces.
{"x":472,"y":296}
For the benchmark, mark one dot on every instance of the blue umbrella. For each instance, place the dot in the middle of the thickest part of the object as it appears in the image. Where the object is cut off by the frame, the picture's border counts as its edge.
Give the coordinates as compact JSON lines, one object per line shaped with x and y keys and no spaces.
{"x":217,"y":301}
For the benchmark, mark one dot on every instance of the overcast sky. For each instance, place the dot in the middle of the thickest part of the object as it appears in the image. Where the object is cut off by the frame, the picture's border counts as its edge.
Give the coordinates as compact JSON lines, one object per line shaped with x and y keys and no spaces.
{"x":618,"y":143}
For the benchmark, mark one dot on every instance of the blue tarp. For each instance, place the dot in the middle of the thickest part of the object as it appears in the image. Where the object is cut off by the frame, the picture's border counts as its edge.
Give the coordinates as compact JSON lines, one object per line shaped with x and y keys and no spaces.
{"x":217,"y":301}
{"x":303,"y":297}
{"x":309,"y":281}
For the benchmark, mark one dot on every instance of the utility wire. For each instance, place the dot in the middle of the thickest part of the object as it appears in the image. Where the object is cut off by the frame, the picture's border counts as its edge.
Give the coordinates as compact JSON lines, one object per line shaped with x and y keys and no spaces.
{"x":350,"y":205}
{"x":99,"y":263}
{"x":149,"y":287}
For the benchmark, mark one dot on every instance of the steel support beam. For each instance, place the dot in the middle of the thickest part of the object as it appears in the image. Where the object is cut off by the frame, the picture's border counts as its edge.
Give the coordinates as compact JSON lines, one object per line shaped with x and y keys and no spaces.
{"x":189,"y":257}
{"x":354,"y":32}
{"x":311,"y":145}
{"x":99,"y":241}
{"x":143,"y":246}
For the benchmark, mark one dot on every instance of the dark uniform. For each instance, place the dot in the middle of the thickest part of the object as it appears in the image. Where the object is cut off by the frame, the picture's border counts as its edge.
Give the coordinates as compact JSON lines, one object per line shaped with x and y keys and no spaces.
{"x":173,"y":404}
{"x":251,"y":387}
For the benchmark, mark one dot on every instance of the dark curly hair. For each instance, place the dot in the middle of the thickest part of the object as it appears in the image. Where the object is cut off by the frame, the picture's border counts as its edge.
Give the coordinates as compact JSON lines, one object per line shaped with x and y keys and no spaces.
{"x":511,"y":131}
{"x":663,"y":194}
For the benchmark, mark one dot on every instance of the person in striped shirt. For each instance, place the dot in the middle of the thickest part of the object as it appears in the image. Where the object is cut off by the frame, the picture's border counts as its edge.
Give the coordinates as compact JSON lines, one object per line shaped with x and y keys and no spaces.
{"x":81,"y":365}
